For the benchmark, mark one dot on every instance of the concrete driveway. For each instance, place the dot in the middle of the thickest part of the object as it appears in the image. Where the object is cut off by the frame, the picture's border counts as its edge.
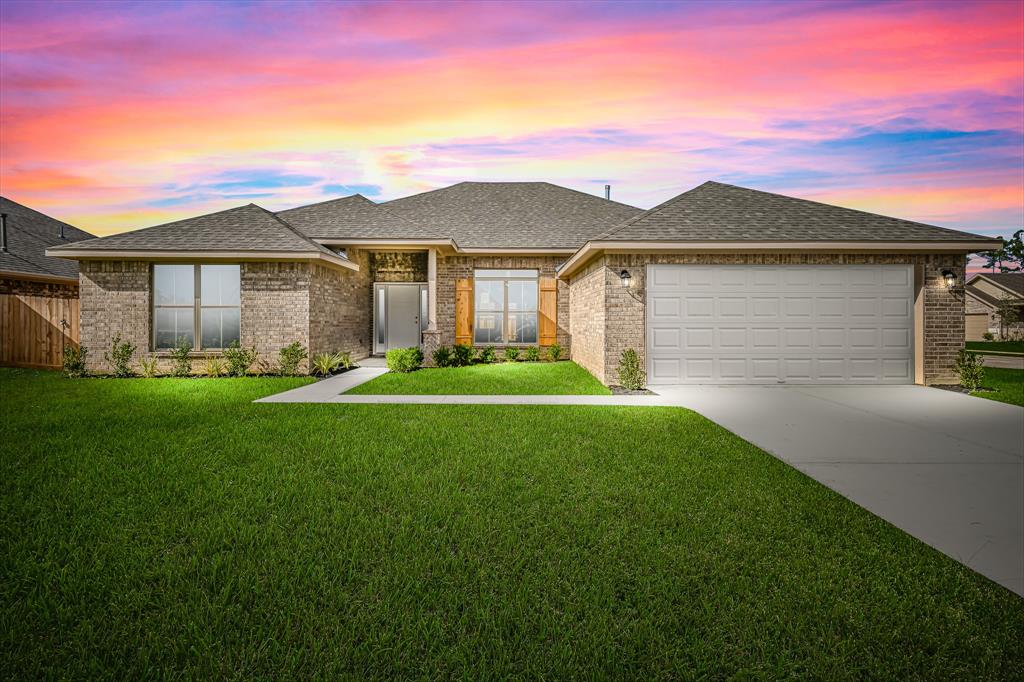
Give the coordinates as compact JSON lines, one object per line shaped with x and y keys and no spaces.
{"x":944,"y":467}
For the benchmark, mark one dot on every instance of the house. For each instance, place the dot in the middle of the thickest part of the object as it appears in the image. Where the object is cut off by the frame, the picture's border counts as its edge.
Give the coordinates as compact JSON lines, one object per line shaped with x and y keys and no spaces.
{"x":984,"y":294}
{"x":38,"y":293}
{"x":719,"y":284}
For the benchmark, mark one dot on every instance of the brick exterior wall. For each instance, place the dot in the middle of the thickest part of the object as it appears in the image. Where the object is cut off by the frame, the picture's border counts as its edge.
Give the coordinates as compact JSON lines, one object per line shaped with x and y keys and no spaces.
{"x":587,"y":318}
{"x":24,"y":287}
{"x":624,"y":309}
{"x":275,"y":307}
{"x":114,"y":297}
{"x":340,"y":309}
{"x":451,"y":269}
{"x":398,"y":266}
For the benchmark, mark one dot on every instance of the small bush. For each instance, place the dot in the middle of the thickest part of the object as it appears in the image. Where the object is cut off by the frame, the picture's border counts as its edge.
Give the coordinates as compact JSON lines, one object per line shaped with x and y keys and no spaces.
{"x":442,"y":356}
{"x":239,"y":359}
{"x":344,"y":359}
{"x":970,"y":368}
{"x":325,"y":363}
{"x":73,"y":361}
{"x":404,"y":359}
{"x":214,"y":367}
{"x":289,"y":358}
{"x":631,"y":375}
{"x":148,"y":367}
{"x":511,"y":354}
{"x":120,"y":357}
{"x":182,"y":357}
{"x":488,"y":354}
{"x":531,"y":354}
{"x":462,"y":354}
{"x":554,"y":352}
{"x":988,"y":336}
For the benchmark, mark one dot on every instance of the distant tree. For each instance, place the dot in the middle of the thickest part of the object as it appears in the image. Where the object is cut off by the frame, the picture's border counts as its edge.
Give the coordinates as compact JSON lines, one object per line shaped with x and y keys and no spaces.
{"x":1008,"y":258}
{"x":1008,"y":311}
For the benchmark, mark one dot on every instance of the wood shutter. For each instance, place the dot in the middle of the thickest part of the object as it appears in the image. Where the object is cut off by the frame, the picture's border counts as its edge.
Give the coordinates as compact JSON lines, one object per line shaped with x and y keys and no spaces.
{"x":548,"y":310}
{"x":464,"y":311}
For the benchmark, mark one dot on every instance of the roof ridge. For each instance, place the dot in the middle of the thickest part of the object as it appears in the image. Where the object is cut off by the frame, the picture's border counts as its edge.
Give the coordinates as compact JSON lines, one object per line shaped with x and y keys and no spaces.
{"x":419,"y":194}
{"x":329,"y":201}
{"x":289,"y":226}
{"x":586,"y":194}
{"x":47,"y":216}
{"x":649,"y":212}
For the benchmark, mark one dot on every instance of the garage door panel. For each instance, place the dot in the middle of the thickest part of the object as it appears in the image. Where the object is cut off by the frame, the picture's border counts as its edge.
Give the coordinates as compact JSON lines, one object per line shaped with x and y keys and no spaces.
{"x":769,"y":324}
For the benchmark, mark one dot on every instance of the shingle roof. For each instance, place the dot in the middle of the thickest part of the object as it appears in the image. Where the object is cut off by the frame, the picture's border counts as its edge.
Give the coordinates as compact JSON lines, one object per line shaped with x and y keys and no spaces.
{"x":718,"y":212}
{"x":512,"y":215}
{"x":29,"y":234}
{"x":1014,"y":281}
{"x":240,"y":229}
{"x":354,"y":217}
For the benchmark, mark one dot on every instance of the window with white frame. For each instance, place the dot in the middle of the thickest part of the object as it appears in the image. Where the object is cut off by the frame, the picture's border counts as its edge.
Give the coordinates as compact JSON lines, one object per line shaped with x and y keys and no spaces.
{"x":505,"y":306}
{"x":193,"y":302}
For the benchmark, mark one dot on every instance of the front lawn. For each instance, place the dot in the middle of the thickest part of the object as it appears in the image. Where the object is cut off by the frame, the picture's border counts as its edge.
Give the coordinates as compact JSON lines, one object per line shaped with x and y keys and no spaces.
{"x":171,"y":528}
{"x":1008,"y":385}
{"x":998,"y":346}
{"x":504,"y":378}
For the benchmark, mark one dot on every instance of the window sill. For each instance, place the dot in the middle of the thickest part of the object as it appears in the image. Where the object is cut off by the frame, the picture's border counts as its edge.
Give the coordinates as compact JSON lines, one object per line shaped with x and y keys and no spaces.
{"x":193,"y":354}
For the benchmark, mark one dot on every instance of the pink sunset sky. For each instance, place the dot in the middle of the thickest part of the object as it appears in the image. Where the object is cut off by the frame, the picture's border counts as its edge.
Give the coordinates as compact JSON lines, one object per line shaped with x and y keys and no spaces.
{"x":119,"y":115}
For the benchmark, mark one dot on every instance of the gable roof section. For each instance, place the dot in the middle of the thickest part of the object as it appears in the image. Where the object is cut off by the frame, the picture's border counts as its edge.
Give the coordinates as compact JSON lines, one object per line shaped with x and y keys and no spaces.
{"x":1011,"y":282}
{"x":715,"y":211}
{"x":354,"y":217}
{"x":29,"y":234}
{"x":512,"y":215}
{"x":244,"y":231}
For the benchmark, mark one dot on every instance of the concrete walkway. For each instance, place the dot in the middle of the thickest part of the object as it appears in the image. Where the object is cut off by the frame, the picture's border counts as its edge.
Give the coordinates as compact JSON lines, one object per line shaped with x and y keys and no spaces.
{"x":1004,"y":361}
{"x":326,"y":389}
{"x":945,"y":467}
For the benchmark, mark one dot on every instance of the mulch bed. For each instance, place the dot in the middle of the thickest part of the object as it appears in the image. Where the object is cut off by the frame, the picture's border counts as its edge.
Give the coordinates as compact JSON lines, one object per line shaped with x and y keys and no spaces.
{"x":619,"y":390}
{"x":957,"y":388}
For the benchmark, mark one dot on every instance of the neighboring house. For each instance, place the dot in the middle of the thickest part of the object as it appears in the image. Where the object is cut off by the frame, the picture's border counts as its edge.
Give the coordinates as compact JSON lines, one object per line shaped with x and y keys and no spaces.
{"x":719,"y":284}
{"x":38,"y":293}
{"x":985,"y":293}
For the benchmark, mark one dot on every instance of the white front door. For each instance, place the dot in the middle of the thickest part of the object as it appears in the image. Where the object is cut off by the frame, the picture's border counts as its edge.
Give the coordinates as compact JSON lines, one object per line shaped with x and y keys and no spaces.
{"x":397,"y":315}
{"x":773,"y":324}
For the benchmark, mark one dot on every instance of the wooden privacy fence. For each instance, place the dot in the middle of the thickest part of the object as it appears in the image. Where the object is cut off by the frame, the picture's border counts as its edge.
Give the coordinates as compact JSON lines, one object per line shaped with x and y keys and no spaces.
{"x":35,"y":329}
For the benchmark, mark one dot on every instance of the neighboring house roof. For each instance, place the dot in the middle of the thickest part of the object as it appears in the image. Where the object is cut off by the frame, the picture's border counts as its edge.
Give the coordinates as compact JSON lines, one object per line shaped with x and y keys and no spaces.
{"x":1010,"y":283}
{"x":29,"y":234}
{"x":244,"y":231}
{"x":354,"y":217}
{"x":512,"y":215}
{"x":718,"y":212}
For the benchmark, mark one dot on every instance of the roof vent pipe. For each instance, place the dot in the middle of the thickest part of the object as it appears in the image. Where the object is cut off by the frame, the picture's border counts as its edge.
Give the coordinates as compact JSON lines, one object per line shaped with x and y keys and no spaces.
{"x":608,"y":192}
{"x":61,"y":233}
{"x":3,"y":232}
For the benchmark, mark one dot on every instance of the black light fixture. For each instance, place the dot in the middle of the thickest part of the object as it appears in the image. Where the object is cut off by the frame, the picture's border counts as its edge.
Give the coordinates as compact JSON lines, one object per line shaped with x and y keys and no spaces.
{"x":949,"y":277}
{"x":626,"y":278}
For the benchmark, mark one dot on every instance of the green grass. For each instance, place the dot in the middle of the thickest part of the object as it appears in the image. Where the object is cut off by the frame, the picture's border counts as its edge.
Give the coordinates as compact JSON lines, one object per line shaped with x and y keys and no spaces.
{"x":505,"y":378}
{"x":999,"y":346}
{"x":1008,"y":385}
{"x":172,"y":528}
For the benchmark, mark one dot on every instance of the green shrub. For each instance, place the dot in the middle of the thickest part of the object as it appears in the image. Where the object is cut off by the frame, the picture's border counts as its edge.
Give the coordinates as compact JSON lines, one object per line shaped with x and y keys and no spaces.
{"x":511,"y":354}
{"x":404,"y":359}
{"x":289,"y":358}
{"x":73,"y":361}
{"x":120,"y":357}
{"x":554,"y":352}
{"x":442,"y":356}
{"x":488,"y":354}
{"x":344,"y":359}
{"x":239,"y":359}
{"x":531,"y":354}
{"x":324,"y":364}
{"x":988,"y":336}
{"x":970,"y":368}
{"x":214,"y":367}
{"x":182,"y":357}
{"x":462,"y":354}
{"x":631,"y":375}
{"x":148,"y":366}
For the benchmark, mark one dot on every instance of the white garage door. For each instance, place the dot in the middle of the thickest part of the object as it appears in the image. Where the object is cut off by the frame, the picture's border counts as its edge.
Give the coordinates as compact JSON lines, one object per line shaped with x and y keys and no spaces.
{"x":754,"y":324}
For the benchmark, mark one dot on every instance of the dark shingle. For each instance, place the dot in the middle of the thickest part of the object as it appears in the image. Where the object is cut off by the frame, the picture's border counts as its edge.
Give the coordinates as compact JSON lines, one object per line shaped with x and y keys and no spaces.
{"x":354,"y":217}
{"x":245,"y":228}
{"x":29,"y":234}
{"x":512,"y":214}
{"x":1013,"y":281}
{"x":719,"y":212}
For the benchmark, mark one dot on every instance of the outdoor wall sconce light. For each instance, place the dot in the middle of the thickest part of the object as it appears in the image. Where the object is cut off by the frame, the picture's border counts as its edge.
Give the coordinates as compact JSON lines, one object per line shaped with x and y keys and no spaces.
{"x":949,"y":277}
{"x":626,"y":278}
